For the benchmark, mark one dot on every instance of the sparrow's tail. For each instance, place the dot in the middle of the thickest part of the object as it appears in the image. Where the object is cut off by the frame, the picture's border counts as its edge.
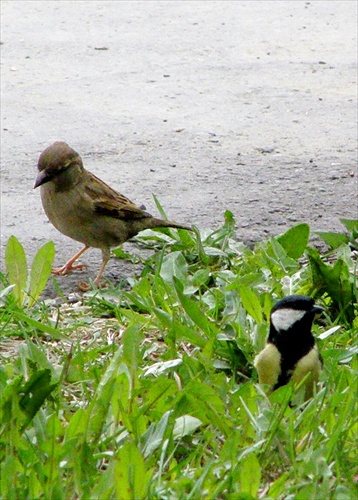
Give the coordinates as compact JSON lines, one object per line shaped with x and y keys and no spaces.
{"x":167,"y":223}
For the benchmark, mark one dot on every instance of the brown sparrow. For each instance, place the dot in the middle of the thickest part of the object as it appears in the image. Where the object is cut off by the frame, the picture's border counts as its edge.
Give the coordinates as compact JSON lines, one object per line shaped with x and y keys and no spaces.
{"x":86,"y":209}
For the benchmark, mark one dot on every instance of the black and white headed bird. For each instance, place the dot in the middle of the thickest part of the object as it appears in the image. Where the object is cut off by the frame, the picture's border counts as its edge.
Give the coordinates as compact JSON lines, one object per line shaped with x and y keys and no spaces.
{"x":291,"y":352}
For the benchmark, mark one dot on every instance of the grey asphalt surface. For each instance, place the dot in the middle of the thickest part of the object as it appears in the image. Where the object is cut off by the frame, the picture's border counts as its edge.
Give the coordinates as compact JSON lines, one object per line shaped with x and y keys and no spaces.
{"x":248,"y":106}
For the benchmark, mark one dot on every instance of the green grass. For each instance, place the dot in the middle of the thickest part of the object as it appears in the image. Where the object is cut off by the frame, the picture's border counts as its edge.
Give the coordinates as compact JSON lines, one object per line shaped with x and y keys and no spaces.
{"x":149,"y":391}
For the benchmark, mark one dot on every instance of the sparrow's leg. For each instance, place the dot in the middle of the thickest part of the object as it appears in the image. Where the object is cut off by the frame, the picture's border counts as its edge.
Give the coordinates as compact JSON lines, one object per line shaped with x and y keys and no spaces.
{"x":69,"y":265}
{"x":84,"y":287}
{"x":105,"y":258}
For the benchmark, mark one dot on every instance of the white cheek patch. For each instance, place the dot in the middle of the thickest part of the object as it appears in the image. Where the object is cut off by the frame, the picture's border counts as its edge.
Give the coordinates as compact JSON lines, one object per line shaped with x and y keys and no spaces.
{"x":283,"y":319}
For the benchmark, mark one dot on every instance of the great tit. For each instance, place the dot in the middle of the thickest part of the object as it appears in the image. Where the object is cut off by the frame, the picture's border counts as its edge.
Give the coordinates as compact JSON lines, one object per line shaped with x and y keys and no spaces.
{"x":291,"y":352}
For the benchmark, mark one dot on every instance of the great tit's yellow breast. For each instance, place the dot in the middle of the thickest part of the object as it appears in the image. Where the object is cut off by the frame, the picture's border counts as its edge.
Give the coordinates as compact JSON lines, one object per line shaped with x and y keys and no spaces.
{"x":267,"y":364}
{"x":309,"y":366}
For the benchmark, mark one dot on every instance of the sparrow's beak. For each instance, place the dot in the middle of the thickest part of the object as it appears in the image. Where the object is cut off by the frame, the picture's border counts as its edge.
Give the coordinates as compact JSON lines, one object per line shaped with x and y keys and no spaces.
{"x":42,"y":178}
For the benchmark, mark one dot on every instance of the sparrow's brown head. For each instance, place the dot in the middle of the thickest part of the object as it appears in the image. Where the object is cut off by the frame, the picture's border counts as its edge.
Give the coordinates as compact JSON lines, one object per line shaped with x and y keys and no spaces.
{"x":54,"y":160}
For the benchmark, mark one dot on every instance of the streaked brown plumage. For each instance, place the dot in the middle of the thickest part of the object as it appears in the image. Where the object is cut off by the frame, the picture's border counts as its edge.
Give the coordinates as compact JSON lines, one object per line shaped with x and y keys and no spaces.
{"x":86,"y":209}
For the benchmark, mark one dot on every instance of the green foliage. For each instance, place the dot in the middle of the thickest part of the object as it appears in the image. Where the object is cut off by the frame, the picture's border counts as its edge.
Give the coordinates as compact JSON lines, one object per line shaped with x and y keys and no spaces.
{"x":295,"y":240}
{"x":149,"y":391}
{"x":20,"y":402}
{"x":26,"y":291}
{"x":335,"y":240}
{"x":336,"y":281}
{"x":16,"y":266}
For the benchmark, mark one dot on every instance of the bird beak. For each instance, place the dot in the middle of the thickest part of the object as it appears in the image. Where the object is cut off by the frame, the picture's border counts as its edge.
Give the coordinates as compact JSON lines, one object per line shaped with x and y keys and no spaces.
{"x":318,"y":309}
{"x":42,"y":178}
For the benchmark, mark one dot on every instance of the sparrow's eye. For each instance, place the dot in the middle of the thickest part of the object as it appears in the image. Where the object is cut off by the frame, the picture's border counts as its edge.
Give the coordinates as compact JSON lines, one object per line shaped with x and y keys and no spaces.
{"x":53,"y":172}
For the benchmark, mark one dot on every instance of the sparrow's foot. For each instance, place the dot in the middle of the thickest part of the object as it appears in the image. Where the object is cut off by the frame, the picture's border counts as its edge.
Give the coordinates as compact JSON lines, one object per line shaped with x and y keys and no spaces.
{"x":61,"y":271}
{"x":70,"y":265}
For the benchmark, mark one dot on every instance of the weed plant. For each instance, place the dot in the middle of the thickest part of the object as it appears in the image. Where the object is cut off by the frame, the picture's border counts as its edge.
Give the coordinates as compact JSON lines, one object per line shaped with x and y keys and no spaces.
{"x":148,"y":391}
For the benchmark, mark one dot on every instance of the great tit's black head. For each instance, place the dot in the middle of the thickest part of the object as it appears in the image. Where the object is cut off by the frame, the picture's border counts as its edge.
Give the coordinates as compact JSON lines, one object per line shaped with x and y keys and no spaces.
{"x":54,"y":160}
{"x":293,"y":310}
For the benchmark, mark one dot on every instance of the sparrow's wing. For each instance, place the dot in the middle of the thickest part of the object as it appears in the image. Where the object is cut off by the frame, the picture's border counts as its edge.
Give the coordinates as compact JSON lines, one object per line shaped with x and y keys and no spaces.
{"x":107,"y":201}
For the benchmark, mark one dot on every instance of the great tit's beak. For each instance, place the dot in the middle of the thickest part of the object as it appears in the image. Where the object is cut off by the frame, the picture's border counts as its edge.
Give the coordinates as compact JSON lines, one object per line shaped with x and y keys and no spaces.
{"x":318,"y":309}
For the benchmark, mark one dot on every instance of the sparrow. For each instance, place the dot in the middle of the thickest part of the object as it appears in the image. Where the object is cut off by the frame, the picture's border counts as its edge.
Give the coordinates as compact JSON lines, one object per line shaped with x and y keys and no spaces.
{"x":86,"y":209}
{"x":291,"y":352}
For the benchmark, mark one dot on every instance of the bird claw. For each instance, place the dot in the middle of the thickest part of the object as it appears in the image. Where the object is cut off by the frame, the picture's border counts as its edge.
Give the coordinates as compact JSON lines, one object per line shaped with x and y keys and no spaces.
{"x":61,"y":271}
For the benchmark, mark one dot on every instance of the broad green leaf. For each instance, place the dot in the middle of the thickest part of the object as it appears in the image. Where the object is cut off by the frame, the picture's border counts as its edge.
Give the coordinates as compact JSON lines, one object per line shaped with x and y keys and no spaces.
{"x":10,"y":411}
{"x":193,"y":310}
{"x":232,"y":304}
{"x":157,"y":393}
{"x":121,"y":254}
{"x":77,"y":425}
{"x":250,"y":475}
{"x":16,"y":268}
{"x":99,"y":408}
{"x":41,"y":271}
{"x":333,"y":240}
{"x":267,"y":305}
{"x":174,"y":264}
{"x":33,"y":354}
{"x":295,"y":240}
{"x":188,"y":334}
{"x":278,"y":255}
{"x":154,"y":436}
{"x":251,"y":303}
{"x":201,"y":277}
{"x":152,"y":237}
{"x":214,"y":252}
{"x":131,"y":476}
{"x":351,"y":225}
{"x":164,"y":317}
{"x":334,"y":280}
{"x":35,"y":392}
{"x":185,"y":425}
{"x":115,"y":378}
{"x":203,"y":402}
{"x":131,"y":340}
